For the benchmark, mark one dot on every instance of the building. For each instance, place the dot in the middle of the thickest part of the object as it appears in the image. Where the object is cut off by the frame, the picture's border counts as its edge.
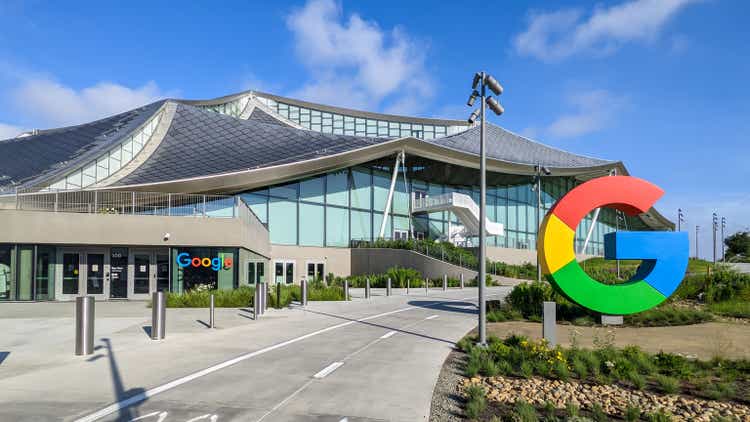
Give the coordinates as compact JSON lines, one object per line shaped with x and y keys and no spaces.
{"x":254,"y":186}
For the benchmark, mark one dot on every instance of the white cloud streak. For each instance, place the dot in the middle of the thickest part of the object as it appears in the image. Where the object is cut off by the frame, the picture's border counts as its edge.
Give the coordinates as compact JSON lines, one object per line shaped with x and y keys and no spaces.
{"x":553,"y":36}
{"x":355,"y":63}
{"x":592,"y":111}
{"x":50,"y":103}
{"x":9,"y":131}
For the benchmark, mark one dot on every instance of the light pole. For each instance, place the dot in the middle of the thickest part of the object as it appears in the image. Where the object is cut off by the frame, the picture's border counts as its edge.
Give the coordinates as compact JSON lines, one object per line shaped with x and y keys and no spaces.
{"x":486,"y":81}
{"x":538,"y":170}
{"x":723,"y":226}
{"x":697,"y":229}
{"x":680,"y":219}
{"x":715,"y":223}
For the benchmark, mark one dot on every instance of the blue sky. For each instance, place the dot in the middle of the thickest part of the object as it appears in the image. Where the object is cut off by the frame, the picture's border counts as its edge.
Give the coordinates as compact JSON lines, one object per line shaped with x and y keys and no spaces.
{"x":659,"y":84}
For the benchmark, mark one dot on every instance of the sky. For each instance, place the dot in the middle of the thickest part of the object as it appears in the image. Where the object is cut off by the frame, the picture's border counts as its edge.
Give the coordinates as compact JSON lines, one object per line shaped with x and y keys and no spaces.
{"x":661,"y":85}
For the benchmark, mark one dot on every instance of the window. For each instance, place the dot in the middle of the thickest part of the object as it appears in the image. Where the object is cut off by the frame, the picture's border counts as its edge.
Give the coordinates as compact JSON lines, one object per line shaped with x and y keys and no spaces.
{"x":315,"y":271}
{"x":282,"y":221}
{"x":337,"y":226}
{"x":337,"y":188}
{"x":311,"y":225}
{"x":400,"y":235}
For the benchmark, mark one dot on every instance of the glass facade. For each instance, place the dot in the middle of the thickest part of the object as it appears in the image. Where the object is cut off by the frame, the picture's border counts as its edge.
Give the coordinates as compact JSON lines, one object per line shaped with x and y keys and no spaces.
{"x":111,"y":161}
{"x":27,"y":272}
{"x":222,"y":275}
{"x":232,"y":108}
{"x":335,"y":208}
{"x":326,"y":122}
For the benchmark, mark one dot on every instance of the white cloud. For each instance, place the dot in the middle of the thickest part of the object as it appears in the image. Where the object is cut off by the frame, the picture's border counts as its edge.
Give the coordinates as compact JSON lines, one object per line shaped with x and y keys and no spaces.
{"x":355,"y":63}
{"x":556,"y":35}
{"x":50,"y":103}
{"x":9,"y":131}
{"x":593,"y":111}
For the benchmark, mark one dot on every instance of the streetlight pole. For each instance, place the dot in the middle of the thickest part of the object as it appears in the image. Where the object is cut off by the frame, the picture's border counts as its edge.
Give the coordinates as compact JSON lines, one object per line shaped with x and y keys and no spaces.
{"x":715,"y":222}
{"x":697,"y":229}
{"x":487,"y":81}
{"x":723,"y":226}
{"x":482,"y":210}
{"x":680,"y":219}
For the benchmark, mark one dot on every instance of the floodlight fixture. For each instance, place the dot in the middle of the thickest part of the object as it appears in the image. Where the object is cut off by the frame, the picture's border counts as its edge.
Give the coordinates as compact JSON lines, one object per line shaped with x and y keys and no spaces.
{"x":475,"y":82}
{"x":495,"y":106}
{"x":474,"y":116}
{"x":472,"y":98}
{"x":493,"y":84}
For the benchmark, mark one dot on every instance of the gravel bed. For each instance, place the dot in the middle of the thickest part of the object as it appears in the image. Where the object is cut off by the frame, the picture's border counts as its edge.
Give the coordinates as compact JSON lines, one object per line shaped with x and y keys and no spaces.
{"x":447,"y":404}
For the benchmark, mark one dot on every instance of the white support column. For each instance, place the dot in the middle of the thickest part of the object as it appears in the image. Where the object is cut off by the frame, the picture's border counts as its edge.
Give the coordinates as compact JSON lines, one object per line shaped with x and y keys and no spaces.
{"x":399,"y":158}
{"x":591,"y":230}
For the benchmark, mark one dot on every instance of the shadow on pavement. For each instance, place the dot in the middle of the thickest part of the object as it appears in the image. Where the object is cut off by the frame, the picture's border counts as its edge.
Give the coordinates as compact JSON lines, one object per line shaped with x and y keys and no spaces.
{"x":459,"y":307}
{"x":125,"y":413}
{"x":3,"y":356}
{"x":147,"y":329}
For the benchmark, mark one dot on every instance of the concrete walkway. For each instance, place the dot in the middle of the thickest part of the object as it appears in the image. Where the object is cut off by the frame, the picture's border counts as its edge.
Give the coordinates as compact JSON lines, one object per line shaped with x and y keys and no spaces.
{"x":375,"y":359}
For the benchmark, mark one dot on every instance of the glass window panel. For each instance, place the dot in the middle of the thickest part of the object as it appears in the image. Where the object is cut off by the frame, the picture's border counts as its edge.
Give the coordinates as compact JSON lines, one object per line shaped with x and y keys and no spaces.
{"x":337,"y":188}
{"x":259,"y":205}
{"x":310,"y":225}
{"x":361,"y":225}
{"x":400,"y":197}
{"x":312,"y":189}
{"x":127,"y":150}
{"x":282,"y":221}
{"x":114,"y":160}
{"x":377,"y":220}
{"x":401,"y":223}
{"x":73,"y":181}
{"x":337,"y":226}
{"x":89,"y":175}
{"x":381,"y":185}
{"x":288,"y":191}
{"x":361,"y":189}
{"x":102,"y":168}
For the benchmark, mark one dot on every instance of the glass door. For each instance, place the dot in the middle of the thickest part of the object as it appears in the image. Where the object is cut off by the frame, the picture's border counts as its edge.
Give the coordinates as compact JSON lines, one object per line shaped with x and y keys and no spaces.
{"x":141,"y":273}
{"x":284,"y":272}
{"x":118,"y":266}
{"x":315,"y":271}
{"x":162,"y":272}
{"x":96,"y":274}
{"x":70,"y":278}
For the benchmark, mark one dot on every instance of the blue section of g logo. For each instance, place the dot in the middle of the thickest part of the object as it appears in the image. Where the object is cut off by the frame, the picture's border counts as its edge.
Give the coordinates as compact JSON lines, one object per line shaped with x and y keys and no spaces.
{"x":664,"y":255}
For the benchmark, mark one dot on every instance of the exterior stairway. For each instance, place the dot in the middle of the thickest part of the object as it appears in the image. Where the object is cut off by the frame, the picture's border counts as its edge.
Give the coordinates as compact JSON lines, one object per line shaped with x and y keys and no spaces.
{"x":463,"y":207}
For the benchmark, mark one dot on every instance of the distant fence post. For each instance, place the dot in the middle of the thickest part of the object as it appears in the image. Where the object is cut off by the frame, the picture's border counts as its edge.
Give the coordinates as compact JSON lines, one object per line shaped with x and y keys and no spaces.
{"x":211,"y":313}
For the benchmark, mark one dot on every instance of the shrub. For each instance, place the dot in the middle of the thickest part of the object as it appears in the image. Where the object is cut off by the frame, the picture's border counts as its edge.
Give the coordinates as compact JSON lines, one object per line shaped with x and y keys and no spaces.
{"x":597,"y":413}
{"x":488,"y":367}
{"x":561,"y":371}
{"x":200,"y":298}
{"x":673,"y":365}
{"x":287,"y":295}
{"x":632,"y":413}
{"x":572,"y":410}
{"x":580,"y":368}
{"x":638,"y":381}
{"x":667,"y":384}
{"x":731,"y":308}
{"x":719,"y":390}
{"x":667,"y":315}
{"x":475,"y":401}
{"x":524,"y":412}
{"x":659,"y":416}
{"x":526,"y":370}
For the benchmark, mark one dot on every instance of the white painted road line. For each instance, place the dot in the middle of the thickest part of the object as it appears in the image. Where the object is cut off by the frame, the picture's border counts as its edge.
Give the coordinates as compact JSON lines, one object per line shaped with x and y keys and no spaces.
{"x":432,"y":316}
{"x":328,"y":369}
{"x":388,"y":334}
{"x":202,"y":373}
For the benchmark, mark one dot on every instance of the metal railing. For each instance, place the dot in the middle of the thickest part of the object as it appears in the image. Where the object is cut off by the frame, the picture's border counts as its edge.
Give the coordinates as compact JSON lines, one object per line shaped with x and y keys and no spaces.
{"x":131,"y":203}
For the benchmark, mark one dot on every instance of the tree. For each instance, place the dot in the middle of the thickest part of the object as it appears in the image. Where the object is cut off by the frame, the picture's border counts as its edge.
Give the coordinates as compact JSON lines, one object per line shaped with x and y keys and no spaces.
{"x":738,"y":246}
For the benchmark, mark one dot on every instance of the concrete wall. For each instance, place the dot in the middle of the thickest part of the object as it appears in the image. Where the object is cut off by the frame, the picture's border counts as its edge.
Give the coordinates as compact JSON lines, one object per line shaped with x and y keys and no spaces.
{"x":131,"y":230}
{"x":337,"y":260}
{"x":511,"y":256}
{"x":375,"y":260}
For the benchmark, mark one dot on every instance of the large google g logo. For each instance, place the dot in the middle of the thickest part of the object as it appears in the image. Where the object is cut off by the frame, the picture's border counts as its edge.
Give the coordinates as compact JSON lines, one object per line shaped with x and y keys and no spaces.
{"x":664,"y":254}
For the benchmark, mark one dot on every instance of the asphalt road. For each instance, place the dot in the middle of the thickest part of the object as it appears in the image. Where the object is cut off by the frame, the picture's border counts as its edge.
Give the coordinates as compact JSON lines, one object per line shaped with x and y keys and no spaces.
{"x":363,"y":360}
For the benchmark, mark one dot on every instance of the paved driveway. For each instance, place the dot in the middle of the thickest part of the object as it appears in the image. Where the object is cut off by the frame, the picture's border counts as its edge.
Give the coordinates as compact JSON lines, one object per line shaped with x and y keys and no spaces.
{"x":375,"y":359}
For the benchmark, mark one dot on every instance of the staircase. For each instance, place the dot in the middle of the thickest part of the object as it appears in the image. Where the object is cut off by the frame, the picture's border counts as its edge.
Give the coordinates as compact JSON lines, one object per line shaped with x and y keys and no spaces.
{"x":463,"y":207}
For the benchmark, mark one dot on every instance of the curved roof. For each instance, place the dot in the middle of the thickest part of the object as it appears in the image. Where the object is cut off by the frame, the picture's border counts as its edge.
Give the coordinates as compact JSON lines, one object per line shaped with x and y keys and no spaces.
{"x":51,"y":153}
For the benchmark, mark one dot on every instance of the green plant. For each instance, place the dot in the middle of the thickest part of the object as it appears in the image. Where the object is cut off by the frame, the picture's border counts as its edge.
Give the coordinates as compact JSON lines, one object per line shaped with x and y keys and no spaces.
{"x":638,"y":381}
{"x":673,"y":365}
{"x":580,"y":368}
{"x":476,"y":401}
{"x":598,"y":414}
{"x":632,"y":413}
{"x":561,"y":371}
{"x":668,"y":315}
{"x":200,"y":298}
{"x":719,"y":390}
{"x":526,"y":370}
{"x":488,"y":367}
{"x":659,"y":416}
{"x":572,"y":409}
{"x":731,"y":308}
{"x":524,"y":412}
{"x":667,"y":384}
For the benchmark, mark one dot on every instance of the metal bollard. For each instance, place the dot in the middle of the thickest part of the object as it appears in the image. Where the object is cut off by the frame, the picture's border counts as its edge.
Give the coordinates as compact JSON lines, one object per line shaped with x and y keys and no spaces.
{"x":549,"y":322}
{"x":256,"y":301}
{"x":462,"y":280}
{"x":407,"y":286}
{"x":426,"y":286}
{"x":84,"y":325}
{"x":158,"y":316}
{"x":388,"y":287}
{"x":303,"y":287}
{"x":264,"y":298}
{"x":367,"y":288}
{"x":445,"y":282}
{"x":278,"y":295}
{"x":211,"y":313}
{"x":346,"y":290}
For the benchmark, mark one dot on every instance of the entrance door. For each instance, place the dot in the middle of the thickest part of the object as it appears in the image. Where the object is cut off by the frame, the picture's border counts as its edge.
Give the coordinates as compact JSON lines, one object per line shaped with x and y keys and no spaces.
{"x":141,"y":273}
{"x":97,"y":274}
{"x":284,"y":272}
{"x":69,"y":283}
{"x":255,"y":272}
{"x":118,"y":266}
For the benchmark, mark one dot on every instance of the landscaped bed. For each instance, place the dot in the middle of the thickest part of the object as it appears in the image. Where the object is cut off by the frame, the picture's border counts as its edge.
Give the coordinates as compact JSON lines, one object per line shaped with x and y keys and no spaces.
{"x":524,"y":380}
